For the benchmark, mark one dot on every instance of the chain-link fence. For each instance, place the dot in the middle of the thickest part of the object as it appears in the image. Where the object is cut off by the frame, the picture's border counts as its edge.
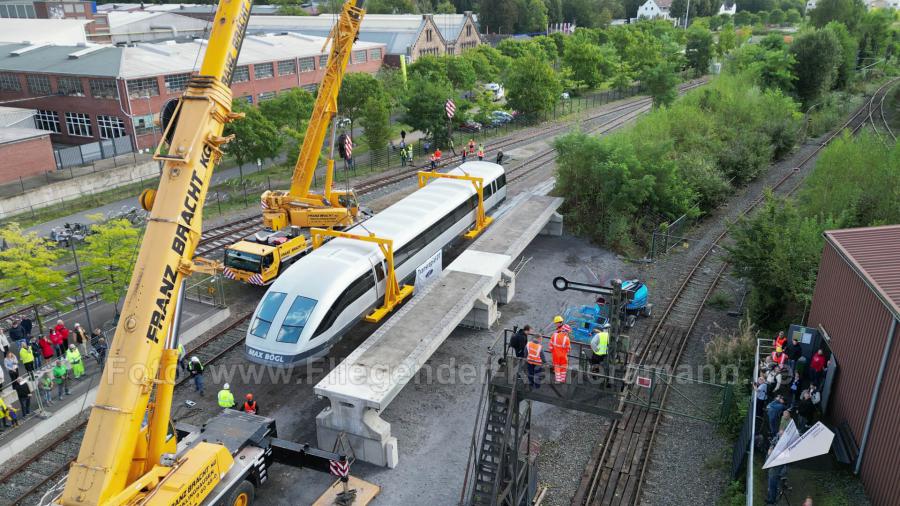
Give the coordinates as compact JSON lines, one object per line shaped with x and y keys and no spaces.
{"x":84,"y":154}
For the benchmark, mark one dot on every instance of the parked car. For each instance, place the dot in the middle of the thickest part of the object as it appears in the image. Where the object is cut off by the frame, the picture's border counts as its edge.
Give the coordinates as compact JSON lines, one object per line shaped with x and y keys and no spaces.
{"x":470,"y":126}
{"x":343,"y":122}
{"x":565,"y":95}
{"x":496,"y":90}
{"x":500,"y":118}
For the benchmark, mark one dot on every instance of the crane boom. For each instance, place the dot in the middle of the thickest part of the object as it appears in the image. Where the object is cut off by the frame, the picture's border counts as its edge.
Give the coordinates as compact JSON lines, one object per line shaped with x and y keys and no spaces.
{"x":114,"y":452}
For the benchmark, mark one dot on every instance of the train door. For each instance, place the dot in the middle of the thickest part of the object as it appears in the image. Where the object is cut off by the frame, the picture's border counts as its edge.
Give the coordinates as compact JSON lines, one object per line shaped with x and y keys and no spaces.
{"x":378,"y":272}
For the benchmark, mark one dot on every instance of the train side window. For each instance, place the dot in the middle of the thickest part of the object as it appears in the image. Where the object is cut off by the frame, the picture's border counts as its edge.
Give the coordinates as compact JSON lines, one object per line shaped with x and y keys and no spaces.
{"x":356,"y":290}
{"x":379,"y":271}
{"x":501,"y":181}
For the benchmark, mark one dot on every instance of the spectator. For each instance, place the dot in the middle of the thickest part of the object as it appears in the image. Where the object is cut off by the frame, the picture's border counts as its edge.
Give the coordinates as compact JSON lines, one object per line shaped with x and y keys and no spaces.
{"x":2,"y":379}
{"x":57,"y":340}
{"x":817,"y":367}
{"x":808,"y":501}
{"x":795,"y":390}
{"x":16,"y":333}
{"x":26,"y":327}
{"x":26,"y":356}
{"x":762,"y":395}
{"x":46,"y":387}
{"x":81,"y":338}
{"x":12,"y":366}
{"x":37,"y":352}
{"x":46,"y":348}
{"x":814,"y":395}
{"x":785,"y":421}
{"x":74,"y":358}
{"x":95,"y":336}
{"x":63,"y":332}
{"x":801,"y":366}
{"x":8,"y":414}
{"x":101,"y":348}
{"x":61,"y":378}
{"x":519,"y":340}
{"x":806,"y":411}
{"x":499,"y":157}
{"x":196,"y":370}
{"x":23,"y":391}
{"x":774,"y":411}
{"x":4,"y":342}
{"x":795,"y":351}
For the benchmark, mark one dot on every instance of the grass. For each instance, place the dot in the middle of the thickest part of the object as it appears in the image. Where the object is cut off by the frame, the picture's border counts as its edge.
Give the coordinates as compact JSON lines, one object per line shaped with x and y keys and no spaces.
{"x":719,"y":300}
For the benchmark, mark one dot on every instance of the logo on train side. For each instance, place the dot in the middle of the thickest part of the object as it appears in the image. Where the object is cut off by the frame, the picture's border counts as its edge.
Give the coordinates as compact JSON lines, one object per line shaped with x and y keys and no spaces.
{"x":264,"y":355}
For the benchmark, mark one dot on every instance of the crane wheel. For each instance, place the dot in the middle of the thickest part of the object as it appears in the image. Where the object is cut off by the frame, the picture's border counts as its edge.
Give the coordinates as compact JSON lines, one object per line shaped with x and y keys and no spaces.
{"x":243,"y":495}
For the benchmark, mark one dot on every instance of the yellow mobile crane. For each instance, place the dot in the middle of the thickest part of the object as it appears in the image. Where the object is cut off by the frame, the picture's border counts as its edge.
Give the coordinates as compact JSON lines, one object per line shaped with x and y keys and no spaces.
{"x":128,"y":454}
{"x":260,"y":259}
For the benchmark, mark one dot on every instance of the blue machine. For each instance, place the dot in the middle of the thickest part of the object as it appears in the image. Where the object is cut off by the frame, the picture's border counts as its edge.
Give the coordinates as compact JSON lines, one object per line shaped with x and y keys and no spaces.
{"x":583,"y":319}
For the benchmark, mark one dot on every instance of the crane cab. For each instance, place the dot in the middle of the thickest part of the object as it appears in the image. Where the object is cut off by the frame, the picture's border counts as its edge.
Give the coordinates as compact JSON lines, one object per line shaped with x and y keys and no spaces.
{"x":260,"y":258}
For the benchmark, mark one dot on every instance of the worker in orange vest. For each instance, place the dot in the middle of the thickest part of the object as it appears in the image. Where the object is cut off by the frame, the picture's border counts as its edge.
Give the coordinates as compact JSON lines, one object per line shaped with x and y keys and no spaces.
{"x":535,"y":361}
{"x":250,"y":406}
{"x":471,"y":145}
{"x":780,"y":340}
{"x":435,"y":158}
{"x":778,"y":356}
{"x":559,"y":349}
{"x":481,"y":152}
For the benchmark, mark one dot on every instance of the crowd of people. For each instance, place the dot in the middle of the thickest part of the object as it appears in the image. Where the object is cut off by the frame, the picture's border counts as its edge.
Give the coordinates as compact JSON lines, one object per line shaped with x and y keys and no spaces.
{"x":788,"y":389}
{"x":44,"y":364}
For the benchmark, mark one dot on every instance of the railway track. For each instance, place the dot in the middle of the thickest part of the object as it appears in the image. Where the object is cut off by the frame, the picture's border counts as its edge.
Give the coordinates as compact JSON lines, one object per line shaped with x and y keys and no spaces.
{"x":617,"y":467}
{"x":28,"y":481}
{"x":876,"y":115}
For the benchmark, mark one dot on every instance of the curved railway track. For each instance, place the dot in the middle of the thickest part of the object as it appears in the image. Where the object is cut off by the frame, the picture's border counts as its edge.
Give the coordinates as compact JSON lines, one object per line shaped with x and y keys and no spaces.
{"x":616,"y":470}
{"x":28,"y":481}
{"x":876,"y":115}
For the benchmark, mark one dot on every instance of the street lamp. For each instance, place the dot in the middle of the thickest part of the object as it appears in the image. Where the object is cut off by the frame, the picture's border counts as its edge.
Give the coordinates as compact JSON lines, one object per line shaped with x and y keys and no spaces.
{"x":87,"y":311}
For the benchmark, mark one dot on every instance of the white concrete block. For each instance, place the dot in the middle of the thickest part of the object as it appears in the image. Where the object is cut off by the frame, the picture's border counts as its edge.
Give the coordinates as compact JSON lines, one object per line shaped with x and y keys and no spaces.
{"x":554,"y":226}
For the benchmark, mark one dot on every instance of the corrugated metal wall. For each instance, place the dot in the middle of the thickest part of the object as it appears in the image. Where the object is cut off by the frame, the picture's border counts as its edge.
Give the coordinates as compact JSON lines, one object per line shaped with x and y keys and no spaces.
{"x":858,"y":323}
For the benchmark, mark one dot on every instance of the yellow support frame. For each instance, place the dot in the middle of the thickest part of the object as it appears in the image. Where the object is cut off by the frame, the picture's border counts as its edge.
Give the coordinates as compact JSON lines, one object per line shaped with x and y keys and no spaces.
{"x":394,"y":294}
{"x":482,"y":221}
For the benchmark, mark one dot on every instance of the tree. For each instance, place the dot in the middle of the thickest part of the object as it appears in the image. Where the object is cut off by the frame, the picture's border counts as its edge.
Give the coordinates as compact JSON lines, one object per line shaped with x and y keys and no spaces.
{"x":289,"y":8}
{"x":27,"y":265}
{"x":875,"y":34}
{"x":424,"y":104}
{"x":793,"y":17}
{"x":743,"y":18}
{"x":727,"y":40}
{"x":489,"y":63}
{"x":291,"y":108}
{"x":590,"y":64}
{"x":532,"y":16}
{"x":661,"y":83}
{"x":532,"y":86}
{"x":255,"y":136}
{"x":109,"y":256}
{"x":375,"y":120}
{"x":554,"y":11}
{"x":818,"y":55}
{"x":391,"y":7}
{"x":777,"y":17}
{"x":356,"y":88}
{"x":762,"y":17}
{"x":773,"y":68}
{"x":698,"y":49}
{"x":393,"y":85}
{"x":497,"y":16}
{"x":460,"y":72}
{"x":849,"y":47}
{"x":849,"y":12}
{"x":445,"y":7}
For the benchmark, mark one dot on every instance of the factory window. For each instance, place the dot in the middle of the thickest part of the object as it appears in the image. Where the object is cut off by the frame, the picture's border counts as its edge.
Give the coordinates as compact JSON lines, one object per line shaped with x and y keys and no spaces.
{"x":323,"y":61}
{"x":70,"y":86}
{"x":177,"y":82}
{"x":359,"y":56}
{"x":241,"y":74}
{"x":79,"y":8}
{"x":428,"y":35}
{"x":295,"y":320}
{"x":263,"y":71}
{"x":100,"y":20}
{"x":144,"y":124}
{"x":68,"y":8}
{"x":307,"y":64}
{"x":375,"y":54}
{"x":287,"y":67}
{"x":78,"y":124}
{"x":138,"y":88}
{"x":38,"y":85}
{"x":266,"y":95}
{"x":47,"y":120}
{"x":267,"y":311}
{"x":110,"y":127}
{"x":248,"y":99}
{"x":104,"y":88}
{"x":9,"y":82}
{"x":311,"y":88}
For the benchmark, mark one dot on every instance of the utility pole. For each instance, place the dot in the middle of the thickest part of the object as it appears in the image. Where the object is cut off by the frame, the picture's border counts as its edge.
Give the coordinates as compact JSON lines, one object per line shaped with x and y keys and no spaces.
{"x":687,"y":14}
{"x":87,"y":311}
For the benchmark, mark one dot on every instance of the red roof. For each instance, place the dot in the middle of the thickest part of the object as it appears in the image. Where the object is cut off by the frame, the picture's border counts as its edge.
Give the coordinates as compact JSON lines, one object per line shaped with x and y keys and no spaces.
{"x":874,"y":253}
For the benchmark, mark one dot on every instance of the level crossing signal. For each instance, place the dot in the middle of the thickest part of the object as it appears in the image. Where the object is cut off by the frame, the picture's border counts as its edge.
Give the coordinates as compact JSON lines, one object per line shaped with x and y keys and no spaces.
{"x":450,"y":107}
{"x":341,"y":468}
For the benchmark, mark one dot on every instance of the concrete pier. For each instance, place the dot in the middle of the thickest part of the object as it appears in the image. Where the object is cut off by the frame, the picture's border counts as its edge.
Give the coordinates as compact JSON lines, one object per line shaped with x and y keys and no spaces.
{"x":467,"y":293}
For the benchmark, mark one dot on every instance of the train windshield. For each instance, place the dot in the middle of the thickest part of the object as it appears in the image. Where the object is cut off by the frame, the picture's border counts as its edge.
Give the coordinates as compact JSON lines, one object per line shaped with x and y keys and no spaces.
{"x":248,"y":262}
{"x":295,"y":320}
{"x":266,"y":314}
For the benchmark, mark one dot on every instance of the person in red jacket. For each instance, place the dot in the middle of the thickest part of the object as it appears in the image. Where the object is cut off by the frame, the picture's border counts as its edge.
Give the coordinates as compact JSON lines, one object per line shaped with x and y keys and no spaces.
{"x":817,"y":367}
{"x":46,"y":347}
{"x":58,"y":343}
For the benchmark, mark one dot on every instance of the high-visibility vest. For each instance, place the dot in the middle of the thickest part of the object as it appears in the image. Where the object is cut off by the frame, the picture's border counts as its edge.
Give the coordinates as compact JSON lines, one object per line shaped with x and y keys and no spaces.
{"x":778,"y":358}
{"x":250,"y":408}
{"x":534,"y":353}
{"x":602,"y":343}
{"x":180,"y":350}
{"x":480,"y":154}
{"x":26,"y":355}
{"x":559,"y":341}
{"x":73,"y":356}
{"x":226,"y":399}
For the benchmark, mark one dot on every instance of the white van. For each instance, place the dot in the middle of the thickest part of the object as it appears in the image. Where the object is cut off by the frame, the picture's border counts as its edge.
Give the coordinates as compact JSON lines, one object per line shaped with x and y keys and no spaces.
{"x":496,"y":90}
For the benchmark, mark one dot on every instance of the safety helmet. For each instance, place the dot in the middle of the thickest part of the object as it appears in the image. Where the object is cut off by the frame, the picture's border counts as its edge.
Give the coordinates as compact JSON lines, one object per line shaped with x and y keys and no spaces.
{"x":605,"y":326}
{"x":195,"y":359}
{"x":557,"y":319}
{"x":226,"y":386}
{"x":249,"y":397}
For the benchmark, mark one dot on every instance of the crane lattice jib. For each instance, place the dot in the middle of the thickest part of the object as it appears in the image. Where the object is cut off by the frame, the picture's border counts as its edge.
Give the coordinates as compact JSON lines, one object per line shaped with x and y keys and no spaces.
{"x":109,"y":460}
{"x":343,"y":34}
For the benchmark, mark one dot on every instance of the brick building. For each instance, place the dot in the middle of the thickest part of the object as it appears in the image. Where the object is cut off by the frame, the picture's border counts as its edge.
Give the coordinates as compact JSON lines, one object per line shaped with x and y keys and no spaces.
{"x":25,"y":152}
{"x":83,"y":94}
{"x":54,"y":9}
{"x":410,"y":35}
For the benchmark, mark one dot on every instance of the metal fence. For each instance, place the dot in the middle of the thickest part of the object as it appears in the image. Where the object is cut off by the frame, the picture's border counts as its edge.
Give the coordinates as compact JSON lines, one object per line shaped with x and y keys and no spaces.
{"x":668,"y":235}
{"x":84,"y":154}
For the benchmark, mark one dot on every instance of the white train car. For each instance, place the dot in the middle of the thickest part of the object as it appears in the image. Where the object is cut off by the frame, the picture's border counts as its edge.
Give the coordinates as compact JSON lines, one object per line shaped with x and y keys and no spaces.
{"x":316,"y":300}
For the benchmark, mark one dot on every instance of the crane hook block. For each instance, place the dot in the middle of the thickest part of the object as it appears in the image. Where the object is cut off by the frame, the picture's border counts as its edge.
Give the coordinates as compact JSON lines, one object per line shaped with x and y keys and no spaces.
{"x":147,"y":198}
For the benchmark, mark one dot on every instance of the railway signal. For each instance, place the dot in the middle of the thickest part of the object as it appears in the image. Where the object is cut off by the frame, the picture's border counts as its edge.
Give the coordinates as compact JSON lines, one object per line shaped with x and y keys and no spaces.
{"x":450,"y":107}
